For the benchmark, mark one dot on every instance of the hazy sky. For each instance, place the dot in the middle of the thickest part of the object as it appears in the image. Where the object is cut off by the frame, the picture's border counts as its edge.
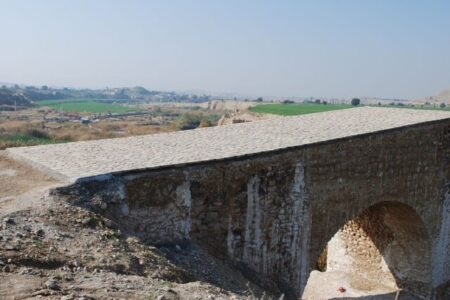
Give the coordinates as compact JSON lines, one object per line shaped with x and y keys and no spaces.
{"x":391,"y":48}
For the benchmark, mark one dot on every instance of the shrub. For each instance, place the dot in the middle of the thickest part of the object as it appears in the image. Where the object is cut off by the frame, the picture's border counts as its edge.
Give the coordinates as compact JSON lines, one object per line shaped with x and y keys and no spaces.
{"x":39,"y":134}
{"x":355,"y":101}
{"x":209,"y":120}
{"x":288,"y":101}
{"x":188,"y":121}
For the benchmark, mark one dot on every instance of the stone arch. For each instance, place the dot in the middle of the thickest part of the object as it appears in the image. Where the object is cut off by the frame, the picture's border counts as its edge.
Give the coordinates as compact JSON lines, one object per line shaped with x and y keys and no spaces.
{"x":385,"y":247}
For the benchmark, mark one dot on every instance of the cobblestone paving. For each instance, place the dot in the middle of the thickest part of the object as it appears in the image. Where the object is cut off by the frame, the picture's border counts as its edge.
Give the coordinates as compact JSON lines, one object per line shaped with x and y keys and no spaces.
{"x":72,"y":161}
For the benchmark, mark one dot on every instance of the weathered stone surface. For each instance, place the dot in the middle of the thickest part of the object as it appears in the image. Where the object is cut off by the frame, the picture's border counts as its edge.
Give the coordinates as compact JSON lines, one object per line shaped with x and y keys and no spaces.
{"x":72,"y":161}
{"x":387,"y":242}
{"x":274,"y":213}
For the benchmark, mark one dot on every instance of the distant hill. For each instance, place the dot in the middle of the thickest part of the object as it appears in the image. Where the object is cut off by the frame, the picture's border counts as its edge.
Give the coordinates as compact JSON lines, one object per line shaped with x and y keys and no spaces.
{"x":139,"y":91}
{"x":27,"y":96}
{"x":133,"y":93}
{"x":9,"y":100}
{"x":443,"y":96}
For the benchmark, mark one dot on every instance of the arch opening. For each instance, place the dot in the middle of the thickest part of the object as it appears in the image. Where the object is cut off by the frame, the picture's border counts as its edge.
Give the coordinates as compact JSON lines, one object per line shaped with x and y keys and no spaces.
{"x":384,"y":249}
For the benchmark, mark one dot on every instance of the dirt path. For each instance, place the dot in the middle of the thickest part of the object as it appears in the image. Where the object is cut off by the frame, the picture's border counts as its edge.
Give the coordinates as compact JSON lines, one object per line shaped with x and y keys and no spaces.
{"x":340,"y":285}
{"x":21,"y":186}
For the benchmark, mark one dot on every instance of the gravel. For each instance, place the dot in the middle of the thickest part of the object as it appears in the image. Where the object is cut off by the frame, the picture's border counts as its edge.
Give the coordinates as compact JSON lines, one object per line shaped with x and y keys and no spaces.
{"x":72,"y":161}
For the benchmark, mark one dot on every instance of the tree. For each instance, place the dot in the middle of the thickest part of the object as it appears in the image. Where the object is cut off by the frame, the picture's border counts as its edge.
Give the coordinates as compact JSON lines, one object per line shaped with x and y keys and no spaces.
{"x":356,"y":101}
{"x":259,"y":99}
{"x":442,"y":105}
{"x":287,"y":101}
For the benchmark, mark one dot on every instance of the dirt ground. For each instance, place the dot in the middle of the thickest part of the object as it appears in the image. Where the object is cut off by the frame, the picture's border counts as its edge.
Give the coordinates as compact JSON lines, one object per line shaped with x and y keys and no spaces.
{"x":51,"y":249}
{"x":21,"y":186}
{"x":17,"y":178}
{"x":340,"y":285}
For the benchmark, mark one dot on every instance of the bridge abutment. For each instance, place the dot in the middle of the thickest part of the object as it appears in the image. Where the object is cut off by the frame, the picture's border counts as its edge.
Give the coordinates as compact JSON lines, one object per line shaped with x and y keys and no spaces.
{"x":274,"y":213}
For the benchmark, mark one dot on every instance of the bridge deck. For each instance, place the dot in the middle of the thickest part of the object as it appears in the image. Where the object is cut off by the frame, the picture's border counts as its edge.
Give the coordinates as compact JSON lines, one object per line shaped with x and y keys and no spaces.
{"x":72,"y":161}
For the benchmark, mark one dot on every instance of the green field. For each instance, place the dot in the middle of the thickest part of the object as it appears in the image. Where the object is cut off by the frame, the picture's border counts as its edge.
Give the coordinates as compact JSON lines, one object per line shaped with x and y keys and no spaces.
{"x":296,"y":109}
{"x":84,"y":105}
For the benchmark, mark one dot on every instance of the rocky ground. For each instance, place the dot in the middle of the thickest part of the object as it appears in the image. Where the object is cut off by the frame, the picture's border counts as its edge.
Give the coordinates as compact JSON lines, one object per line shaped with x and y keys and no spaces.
{"x":51,"y":249}
{"x":65,"y":252}
{"x":58,"y":251}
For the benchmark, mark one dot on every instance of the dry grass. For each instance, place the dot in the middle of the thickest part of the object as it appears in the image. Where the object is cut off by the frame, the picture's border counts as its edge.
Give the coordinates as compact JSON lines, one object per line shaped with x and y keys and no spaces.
{"x":28,"y":127}
{"x":15,"y":133}
{"x":103,"y":130}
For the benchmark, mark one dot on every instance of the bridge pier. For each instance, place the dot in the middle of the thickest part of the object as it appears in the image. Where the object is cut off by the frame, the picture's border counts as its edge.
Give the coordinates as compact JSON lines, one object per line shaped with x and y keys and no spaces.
{"x":441,"y":253}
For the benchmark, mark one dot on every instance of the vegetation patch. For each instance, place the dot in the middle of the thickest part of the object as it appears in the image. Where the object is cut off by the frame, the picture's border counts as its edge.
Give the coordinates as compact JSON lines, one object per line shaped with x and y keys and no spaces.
{"x":194,"y":120}
{"x":426,"y":106}
{"x":85,"y":105}
{"x":20,"y":139}
{"x":27,"y":138}
{"x":296,"y":109}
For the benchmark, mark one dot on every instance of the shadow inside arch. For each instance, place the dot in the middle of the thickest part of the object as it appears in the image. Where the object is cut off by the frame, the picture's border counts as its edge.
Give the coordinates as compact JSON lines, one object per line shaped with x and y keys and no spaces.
{"x":385,"y":248}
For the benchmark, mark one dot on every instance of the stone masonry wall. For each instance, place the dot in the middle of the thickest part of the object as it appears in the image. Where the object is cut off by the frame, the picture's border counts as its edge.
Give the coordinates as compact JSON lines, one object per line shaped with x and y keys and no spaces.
{"x":387,"y":243}
{"x":410,"y":166}
{"x":273,"y":213}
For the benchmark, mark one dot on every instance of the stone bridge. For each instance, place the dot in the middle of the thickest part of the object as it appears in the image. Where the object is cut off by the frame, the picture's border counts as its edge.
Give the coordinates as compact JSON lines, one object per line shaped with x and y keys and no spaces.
{"x":364,"y":190}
